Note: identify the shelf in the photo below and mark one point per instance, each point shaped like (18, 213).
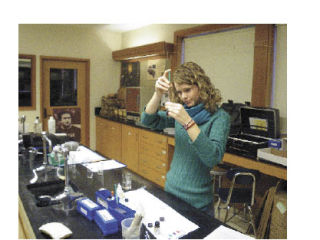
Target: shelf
(149, 50)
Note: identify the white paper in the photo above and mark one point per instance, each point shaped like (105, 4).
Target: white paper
(174, 225)
(103, 165)
(84, 155)
(223, 232)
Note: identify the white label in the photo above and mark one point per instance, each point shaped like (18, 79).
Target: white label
(89, 203)
(258, 124)
(102, 202)
(106, 216)
(84, 211)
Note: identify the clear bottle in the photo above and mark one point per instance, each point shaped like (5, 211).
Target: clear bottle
(52, 125)
(37, 126)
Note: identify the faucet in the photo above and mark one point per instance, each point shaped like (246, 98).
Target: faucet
(44, 140)
(68, 195)
(45, 167)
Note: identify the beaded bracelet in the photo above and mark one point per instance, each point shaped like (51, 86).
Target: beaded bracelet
(189, 124)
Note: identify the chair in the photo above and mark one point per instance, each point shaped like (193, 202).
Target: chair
(218, 171)
(244, 194)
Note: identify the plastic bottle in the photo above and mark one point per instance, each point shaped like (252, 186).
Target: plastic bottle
(52, 125)
(37, 126)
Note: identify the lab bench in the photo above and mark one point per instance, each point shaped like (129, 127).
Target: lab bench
(31, 217)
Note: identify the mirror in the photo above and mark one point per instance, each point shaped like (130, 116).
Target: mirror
(27, 88)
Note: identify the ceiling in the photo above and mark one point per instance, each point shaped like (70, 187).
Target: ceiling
(124, 27)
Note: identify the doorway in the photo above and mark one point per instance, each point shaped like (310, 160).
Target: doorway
(65, 89)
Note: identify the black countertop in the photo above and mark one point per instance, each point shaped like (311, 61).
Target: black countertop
(133, 124)
(80, 226)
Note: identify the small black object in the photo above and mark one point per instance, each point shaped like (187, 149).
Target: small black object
(126, 200)
(161, 219)
(157, 224)
(150, 225)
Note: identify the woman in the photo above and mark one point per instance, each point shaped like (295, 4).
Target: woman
(201, 131)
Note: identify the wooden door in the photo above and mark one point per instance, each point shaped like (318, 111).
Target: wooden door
(130, 147)
(65, 96)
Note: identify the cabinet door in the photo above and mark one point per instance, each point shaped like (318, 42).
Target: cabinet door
(113, 141)
(108, 138)
(101, 136)
(130, 147)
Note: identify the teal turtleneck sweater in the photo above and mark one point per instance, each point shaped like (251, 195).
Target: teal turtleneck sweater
(189, 176)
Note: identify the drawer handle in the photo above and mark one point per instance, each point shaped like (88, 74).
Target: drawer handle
(164, 152)
(129, 133)
(112, 128)
(163, 177)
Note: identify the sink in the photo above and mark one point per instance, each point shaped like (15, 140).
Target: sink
(46, 188)
(43, 191)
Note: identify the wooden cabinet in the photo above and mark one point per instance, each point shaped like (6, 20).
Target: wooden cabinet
(24, 226)
(153, 156)
(141, 52)
(143, 151)
(108, 138)
(100, 135)
(130, 146)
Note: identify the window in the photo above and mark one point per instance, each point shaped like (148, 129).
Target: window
(27, 88)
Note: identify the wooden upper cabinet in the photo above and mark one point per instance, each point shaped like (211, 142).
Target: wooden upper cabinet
(159, 49)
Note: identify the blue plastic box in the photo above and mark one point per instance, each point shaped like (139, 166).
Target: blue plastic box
(119, 211)
(105, 199)
(274, 143)
(87, 208)
(107, 223)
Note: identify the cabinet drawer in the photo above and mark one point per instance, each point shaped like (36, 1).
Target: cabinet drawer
(149, 137)
(113, 126)
(152, 175)
(159, 166)
(153, 156)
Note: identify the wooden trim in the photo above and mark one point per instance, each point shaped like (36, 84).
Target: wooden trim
(265, 168)
(147, 58)
(262, 66)
(263, 56)
(141, 52)
(71, 59)
(87, 105)
(24, 222)
(88, 102)
(33, 82)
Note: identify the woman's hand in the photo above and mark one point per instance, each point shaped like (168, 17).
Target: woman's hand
(162, 84)
(177, 111)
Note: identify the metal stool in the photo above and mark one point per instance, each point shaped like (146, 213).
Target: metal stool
(218, 171)
(218, 174)
(245, 196)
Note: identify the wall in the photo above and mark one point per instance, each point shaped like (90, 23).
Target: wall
(78, 41)
(280, 75)
(151, 34)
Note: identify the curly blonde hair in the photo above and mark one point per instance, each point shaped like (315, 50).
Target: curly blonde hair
(192, 74)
